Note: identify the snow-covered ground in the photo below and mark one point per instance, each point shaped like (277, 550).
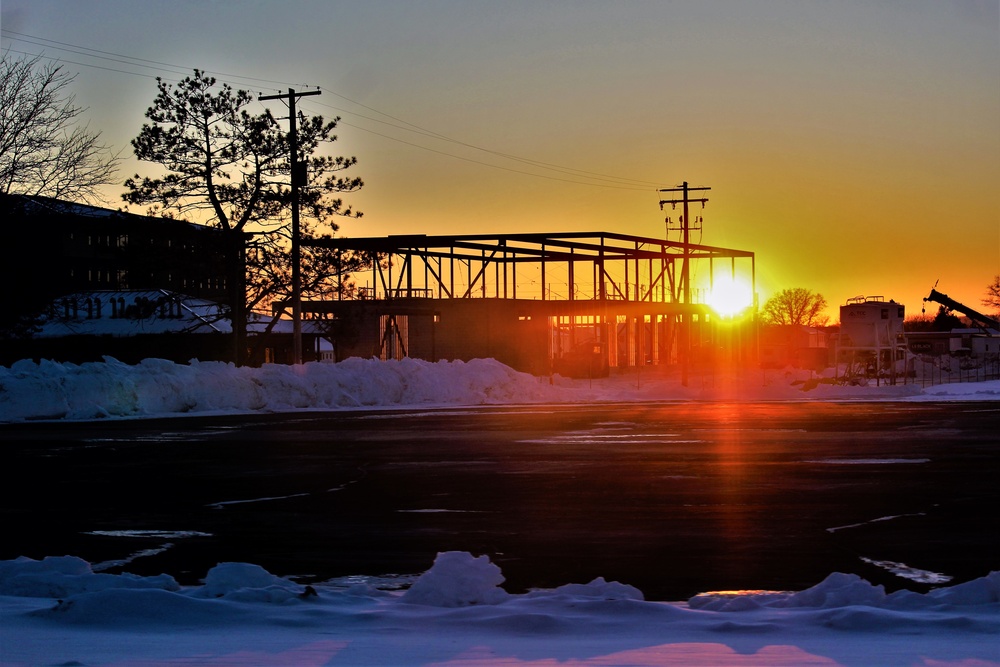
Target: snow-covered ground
(59, 611)
(110, 389)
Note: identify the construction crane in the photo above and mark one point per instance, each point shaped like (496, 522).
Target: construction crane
(983, 321)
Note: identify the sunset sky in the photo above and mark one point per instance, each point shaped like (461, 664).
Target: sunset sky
(854, 146)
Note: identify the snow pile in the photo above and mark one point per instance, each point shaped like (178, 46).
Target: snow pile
(456, 614)
(247, 583)
(64, 576)
(599, 589)
(979, 391)
(458, 580)
(155, 387)
(840, 590)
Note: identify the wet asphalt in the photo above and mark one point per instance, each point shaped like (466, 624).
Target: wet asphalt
(673, 498)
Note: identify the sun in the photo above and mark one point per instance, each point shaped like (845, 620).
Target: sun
(729, 296)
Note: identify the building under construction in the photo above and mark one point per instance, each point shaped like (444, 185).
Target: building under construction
(579, 303)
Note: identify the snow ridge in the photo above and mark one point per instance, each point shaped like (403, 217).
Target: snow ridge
(456, 613)
(155, 387)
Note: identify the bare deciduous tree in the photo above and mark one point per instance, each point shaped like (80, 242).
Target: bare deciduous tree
(992, 299)
(796, 305)
(43, 151)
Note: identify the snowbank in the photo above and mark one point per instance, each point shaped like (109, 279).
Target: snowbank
(155, 387)
(60, 611)
(457, 614)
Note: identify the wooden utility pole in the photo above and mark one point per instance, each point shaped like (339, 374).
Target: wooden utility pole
(685, 342)
(298, 179)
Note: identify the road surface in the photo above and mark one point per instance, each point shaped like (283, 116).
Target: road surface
(673, 498)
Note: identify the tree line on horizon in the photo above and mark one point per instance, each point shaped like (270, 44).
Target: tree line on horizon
(799, 306)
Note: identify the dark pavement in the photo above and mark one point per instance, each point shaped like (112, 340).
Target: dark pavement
(674, 498)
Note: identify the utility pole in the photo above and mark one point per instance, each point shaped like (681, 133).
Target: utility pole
(298, 179)
(685, 351)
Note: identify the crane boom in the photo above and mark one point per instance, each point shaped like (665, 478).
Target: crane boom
(978, 318)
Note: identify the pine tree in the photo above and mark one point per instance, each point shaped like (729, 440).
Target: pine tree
(231, 167)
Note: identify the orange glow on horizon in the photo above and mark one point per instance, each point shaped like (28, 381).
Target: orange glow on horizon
(854, 154)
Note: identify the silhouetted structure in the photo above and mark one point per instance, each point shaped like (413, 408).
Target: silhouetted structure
(582, 302)
(58, 251)
(132, 325)
(982, 343)
(977, 318)
(872, 342)
(54, 247)
(579, 303)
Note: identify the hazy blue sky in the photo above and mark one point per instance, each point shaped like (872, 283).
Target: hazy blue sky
(854, 146)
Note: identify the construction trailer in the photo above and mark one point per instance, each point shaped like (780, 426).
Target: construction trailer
(578, 303)
(872, 342)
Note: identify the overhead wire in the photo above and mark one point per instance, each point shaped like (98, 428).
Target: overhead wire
(612, 181)
(128, 60)
(509, 156)
(91, 65)
(594, 179)
(495, 166)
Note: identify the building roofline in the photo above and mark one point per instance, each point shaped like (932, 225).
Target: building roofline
(580, 245)
(64, 207)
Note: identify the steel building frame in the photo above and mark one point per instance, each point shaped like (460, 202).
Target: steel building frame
(622, 267)
(526, 299)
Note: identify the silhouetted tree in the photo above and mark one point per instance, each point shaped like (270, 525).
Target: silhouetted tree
(796, 305)
(945, 320)
(919, 323)
(42, 149)
(992, 299)
(233, 166)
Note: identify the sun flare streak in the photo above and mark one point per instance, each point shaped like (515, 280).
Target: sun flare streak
(729, 297)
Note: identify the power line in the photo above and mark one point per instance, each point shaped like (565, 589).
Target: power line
(91, 65)
(495, 166)
(614, 180)
(431, 133)
(128, 60)
(610, 181)
(83, 51)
